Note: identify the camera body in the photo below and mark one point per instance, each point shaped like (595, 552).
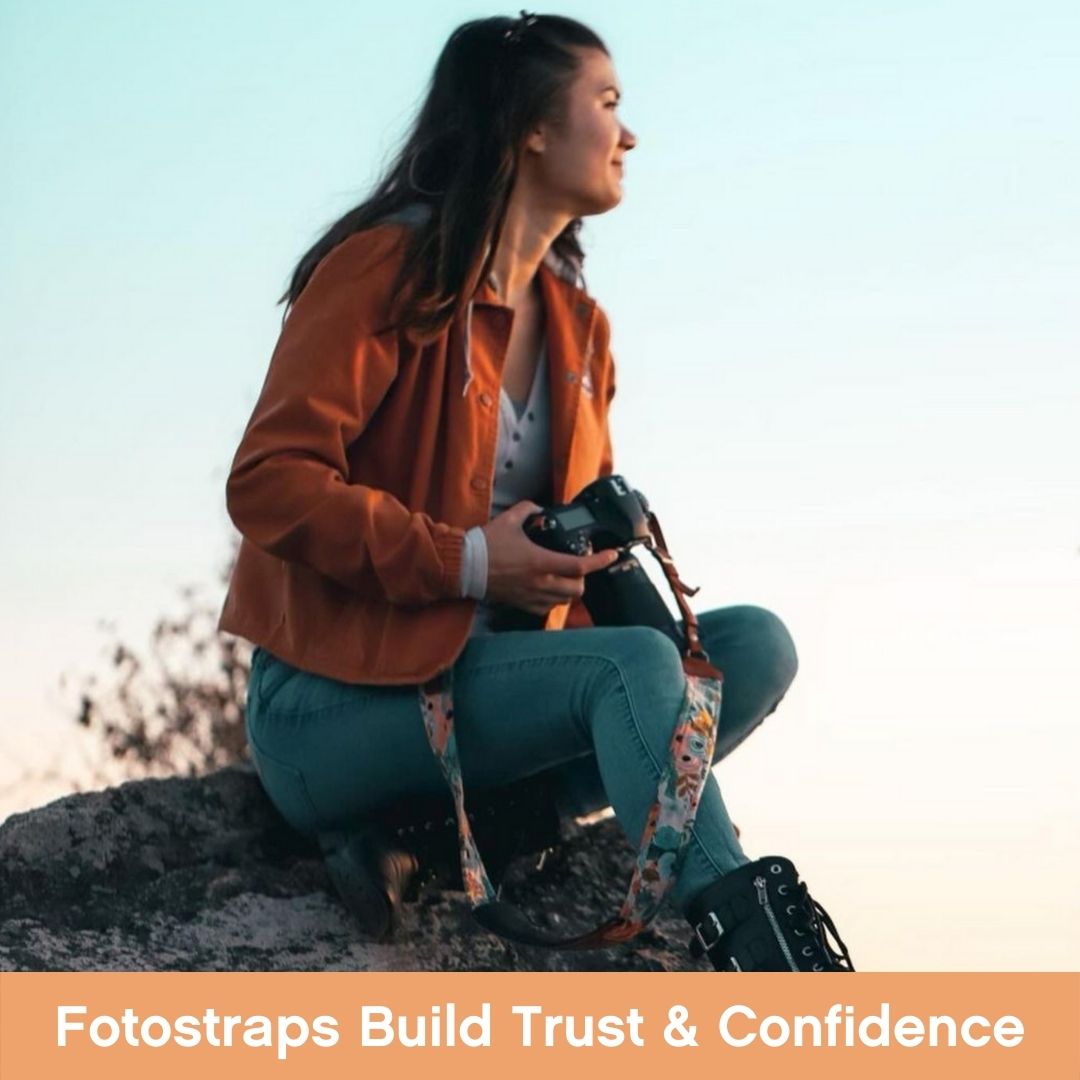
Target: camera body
(608, 513)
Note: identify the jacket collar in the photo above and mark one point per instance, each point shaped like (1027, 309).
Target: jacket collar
(561, 275)
(558, 282)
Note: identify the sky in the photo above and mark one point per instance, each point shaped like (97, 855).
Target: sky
(842, 284)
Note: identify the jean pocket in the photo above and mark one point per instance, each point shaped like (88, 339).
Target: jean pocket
(287, 789)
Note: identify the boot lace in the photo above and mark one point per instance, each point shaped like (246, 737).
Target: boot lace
(809, 918)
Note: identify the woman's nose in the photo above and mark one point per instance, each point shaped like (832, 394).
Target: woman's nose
(628, 140)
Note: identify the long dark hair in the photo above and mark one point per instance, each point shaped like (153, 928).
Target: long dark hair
(495, 79)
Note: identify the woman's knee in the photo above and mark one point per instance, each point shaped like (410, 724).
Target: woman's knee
(645, 653)
(769, 648)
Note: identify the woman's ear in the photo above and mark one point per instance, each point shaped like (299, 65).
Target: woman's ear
(536, 141)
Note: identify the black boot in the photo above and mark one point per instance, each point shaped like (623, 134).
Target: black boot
(508, 822)
(377, 865)
(371, 875)
(760, 917)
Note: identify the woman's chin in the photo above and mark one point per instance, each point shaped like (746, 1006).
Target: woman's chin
(600, 204)
(613, 197)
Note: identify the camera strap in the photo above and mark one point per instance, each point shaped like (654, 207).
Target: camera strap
(667, 826)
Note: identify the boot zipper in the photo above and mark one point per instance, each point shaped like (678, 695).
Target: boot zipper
(763, 900)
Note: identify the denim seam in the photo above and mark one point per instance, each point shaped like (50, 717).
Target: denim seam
(695, 836)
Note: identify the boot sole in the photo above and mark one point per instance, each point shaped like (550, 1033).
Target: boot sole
(355, 876)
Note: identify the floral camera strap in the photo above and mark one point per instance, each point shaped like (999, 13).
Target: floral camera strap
(667, 826)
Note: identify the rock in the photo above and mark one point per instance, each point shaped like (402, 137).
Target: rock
(203, 875)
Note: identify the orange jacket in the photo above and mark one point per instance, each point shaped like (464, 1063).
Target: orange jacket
(368, 456)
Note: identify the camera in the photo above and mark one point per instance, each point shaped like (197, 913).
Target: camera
(608, 513)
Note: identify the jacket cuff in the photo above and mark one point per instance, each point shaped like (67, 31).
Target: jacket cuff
(448, 546)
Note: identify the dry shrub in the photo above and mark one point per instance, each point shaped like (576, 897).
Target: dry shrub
(176, 707)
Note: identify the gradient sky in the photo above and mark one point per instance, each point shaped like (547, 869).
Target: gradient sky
(843, 291)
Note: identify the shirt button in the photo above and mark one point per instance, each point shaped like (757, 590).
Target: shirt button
(509, 465)
(517, 437)
(485, 399)
(477, 483)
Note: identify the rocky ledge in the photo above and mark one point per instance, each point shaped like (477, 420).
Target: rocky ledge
(202, 875)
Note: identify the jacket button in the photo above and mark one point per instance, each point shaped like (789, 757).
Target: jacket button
(571, 376)
(478, 483)
(485, 399)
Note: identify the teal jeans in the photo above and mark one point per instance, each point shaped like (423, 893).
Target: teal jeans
(594, 707)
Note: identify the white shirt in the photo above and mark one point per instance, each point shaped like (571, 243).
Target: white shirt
(522, 471)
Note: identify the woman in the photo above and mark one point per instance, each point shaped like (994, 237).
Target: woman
(442, 373)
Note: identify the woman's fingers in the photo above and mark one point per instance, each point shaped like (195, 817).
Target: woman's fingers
(562, 588)
(527, 575)
(553, 592)
(564, 565)
(542, 596)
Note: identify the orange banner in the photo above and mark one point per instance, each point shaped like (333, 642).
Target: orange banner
(330, 1025)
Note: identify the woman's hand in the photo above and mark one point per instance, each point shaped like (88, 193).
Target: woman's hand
(528, 576)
